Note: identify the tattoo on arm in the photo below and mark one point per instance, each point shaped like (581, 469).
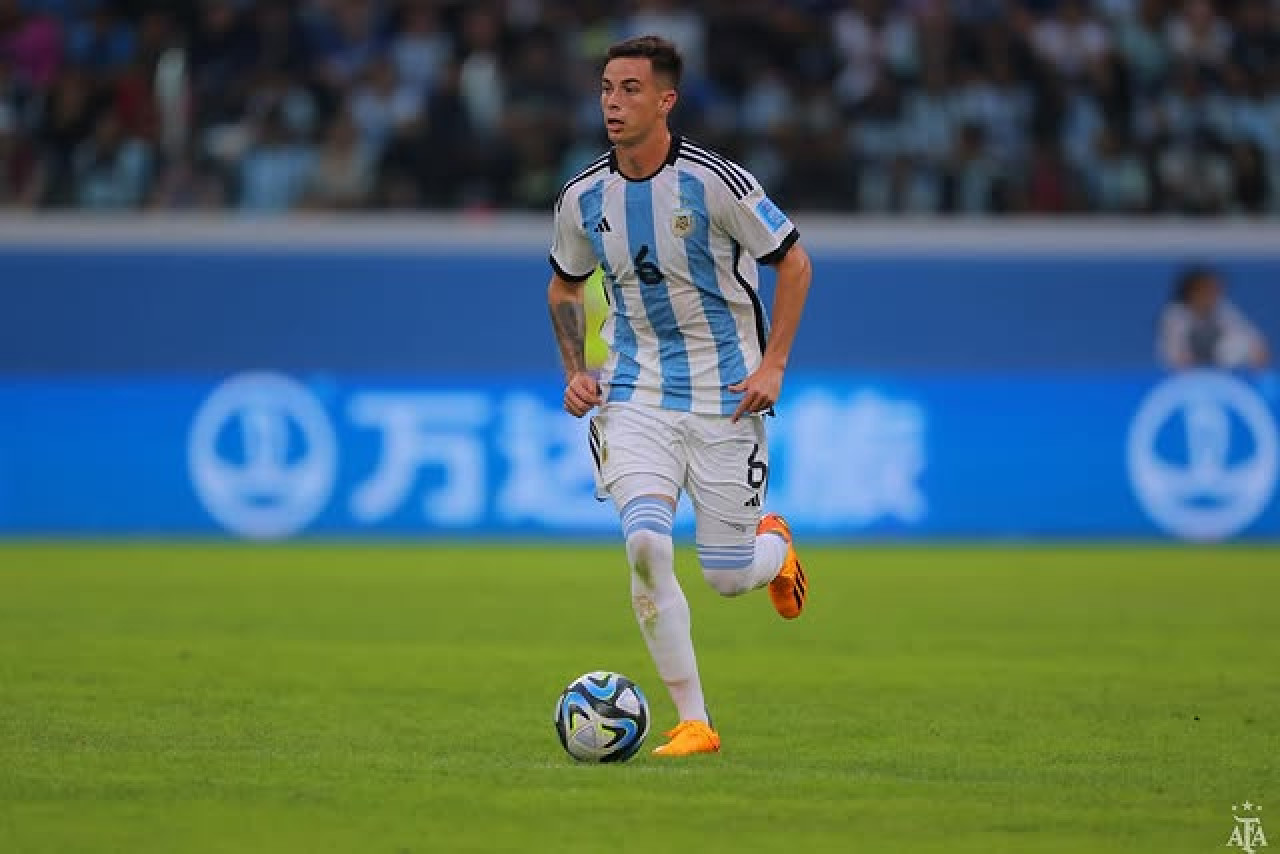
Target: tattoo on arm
(569, 320)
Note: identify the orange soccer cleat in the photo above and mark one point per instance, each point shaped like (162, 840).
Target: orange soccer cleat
(789, 588)
(689, 738)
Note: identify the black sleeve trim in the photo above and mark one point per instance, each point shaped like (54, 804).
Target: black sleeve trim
(568, 277)
(783, 248)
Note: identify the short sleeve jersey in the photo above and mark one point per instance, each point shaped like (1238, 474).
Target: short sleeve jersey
(679, 251)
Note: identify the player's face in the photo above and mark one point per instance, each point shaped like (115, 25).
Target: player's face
(633, 99)
(1205, 296)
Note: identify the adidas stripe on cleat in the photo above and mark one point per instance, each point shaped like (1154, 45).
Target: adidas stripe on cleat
(790, 587)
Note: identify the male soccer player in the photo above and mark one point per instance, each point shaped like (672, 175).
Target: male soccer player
(693, 365)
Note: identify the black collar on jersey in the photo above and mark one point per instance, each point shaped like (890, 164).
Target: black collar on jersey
(672, 153)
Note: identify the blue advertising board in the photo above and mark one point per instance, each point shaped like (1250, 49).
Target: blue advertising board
(267, 455)
(349, 301)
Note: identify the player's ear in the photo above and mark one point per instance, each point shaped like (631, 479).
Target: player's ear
(668, 102)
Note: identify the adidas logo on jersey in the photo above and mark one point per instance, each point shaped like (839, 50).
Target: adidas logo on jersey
(753, 501)
(603, 226)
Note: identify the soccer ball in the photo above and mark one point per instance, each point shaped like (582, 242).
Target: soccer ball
(602, 717)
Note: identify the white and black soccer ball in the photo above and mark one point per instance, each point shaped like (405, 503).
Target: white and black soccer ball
(602, 717)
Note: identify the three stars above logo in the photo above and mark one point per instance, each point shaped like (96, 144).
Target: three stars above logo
(1247, 807)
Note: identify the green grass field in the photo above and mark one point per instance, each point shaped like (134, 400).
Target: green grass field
(161, 698)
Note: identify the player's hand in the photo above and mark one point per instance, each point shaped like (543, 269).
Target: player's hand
(581, 394)
(759, 390)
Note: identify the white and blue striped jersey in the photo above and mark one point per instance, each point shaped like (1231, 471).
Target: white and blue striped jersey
(679, 251)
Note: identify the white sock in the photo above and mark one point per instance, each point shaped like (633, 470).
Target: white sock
(771, 554)
(660, 605)
(734, 570)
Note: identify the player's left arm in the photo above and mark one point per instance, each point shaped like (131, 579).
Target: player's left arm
(761, 388)
(1258, 355)
(752, 219)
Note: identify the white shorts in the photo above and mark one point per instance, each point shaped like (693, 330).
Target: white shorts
(645, 450)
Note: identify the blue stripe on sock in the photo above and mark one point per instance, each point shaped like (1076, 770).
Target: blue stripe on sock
(727, 557)
(647, 514)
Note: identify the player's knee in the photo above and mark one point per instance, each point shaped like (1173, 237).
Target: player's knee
(727, 582)
(726, 568)
(646, 524)
(648, 552)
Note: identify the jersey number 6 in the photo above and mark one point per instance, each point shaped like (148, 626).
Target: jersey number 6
(757, 470)
(647, 271)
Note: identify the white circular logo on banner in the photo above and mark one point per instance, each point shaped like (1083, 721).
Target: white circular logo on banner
(1224, 471)
(262, 455)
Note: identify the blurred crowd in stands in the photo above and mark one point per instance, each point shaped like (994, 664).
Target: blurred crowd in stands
(874, 106)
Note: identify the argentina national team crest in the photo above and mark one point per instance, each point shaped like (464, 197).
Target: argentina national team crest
(682, 222)
(1247, 834)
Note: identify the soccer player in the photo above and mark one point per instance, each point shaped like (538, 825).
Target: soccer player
(693, 364)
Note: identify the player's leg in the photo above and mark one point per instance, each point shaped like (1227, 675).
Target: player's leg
(662, 611)
(738, 548)
(640, 463)
(647, 508)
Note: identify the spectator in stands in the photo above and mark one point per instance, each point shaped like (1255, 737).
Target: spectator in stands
(222, 52)
(346, 36)
(1117, 178)
(67, 113)
(1257, 38)
(1195, 175)
(1253, 183)
(188, 181)
(1199, 37)
(31, 43)
(111, 170)
(1050, 187)
(277, 169)
(1070, 39)
(20, 172)
(344, 170)
(1142, 46)
(973, 183)
(1201, 328)
(420, 48)
(854, 105)
(280, 40)
(381, 103)
(480, 78)
(101, 42)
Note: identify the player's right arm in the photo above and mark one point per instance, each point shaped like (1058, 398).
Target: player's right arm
(573, 261)
(1172, 343)
(569, 322)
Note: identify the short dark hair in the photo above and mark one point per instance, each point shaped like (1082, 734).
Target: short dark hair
(664, 55)
(1190, 279)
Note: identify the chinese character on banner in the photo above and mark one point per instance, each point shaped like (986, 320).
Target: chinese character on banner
(442, 432)
(549, 479)
(850, 461)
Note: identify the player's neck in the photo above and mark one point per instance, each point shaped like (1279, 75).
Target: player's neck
(645, 157)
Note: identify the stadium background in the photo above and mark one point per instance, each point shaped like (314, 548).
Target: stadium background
(432, 126)
(276, 271)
